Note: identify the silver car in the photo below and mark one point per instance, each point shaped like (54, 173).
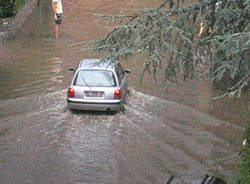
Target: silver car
(99, 86)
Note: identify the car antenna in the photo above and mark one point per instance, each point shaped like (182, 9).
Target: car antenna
(85, 81)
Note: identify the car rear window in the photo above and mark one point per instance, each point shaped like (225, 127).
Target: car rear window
(95, 78)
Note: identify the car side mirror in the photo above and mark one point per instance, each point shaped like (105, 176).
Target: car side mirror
(72, 69)
(127, 71)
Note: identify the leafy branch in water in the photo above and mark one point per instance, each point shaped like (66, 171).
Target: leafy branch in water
(167, 38)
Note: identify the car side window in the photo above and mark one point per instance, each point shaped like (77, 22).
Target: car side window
(120, 72)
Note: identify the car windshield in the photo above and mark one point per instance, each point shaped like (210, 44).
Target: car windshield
(95, 78)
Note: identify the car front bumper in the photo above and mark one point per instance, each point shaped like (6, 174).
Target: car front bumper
(94, 106)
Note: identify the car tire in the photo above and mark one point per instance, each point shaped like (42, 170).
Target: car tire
(122, 110)
(128, 92)
(73, 111)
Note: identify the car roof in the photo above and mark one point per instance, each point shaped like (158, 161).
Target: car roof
(96, 64)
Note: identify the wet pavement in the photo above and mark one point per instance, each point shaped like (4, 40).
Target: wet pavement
(181, 131)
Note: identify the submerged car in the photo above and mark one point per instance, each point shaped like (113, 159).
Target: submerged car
(98, 86)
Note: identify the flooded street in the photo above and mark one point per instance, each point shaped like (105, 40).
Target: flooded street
(180, 131)
(48, 144)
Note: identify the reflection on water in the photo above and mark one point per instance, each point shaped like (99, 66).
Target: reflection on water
(25, 61)
(34, 62)
(161, 137)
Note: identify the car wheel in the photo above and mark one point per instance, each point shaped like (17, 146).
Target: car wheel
(122, 110)
(128, 92)
(111, 113)
(72, 110)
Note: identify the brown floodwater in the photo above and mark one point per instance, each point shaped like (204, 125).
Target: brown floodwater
(34, 63)
(43, 142)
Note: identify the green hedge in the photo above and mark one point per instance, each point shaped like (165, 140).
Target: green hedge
(9, 8)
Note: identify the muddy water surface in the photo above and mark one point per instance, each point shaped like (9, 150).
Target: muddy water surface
(34, 62)
(172, 138)
(46, 143)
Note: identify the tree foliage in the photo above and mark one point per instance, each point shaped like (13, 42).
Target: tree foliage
(9, 8)
(167, 39)
(244, 173)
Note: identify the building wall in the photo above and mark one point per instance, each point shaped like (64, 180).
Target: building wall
(9, 26)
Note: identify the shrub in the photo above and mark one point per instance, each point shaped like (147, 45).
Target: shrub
(9, 8)
(244, 172)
